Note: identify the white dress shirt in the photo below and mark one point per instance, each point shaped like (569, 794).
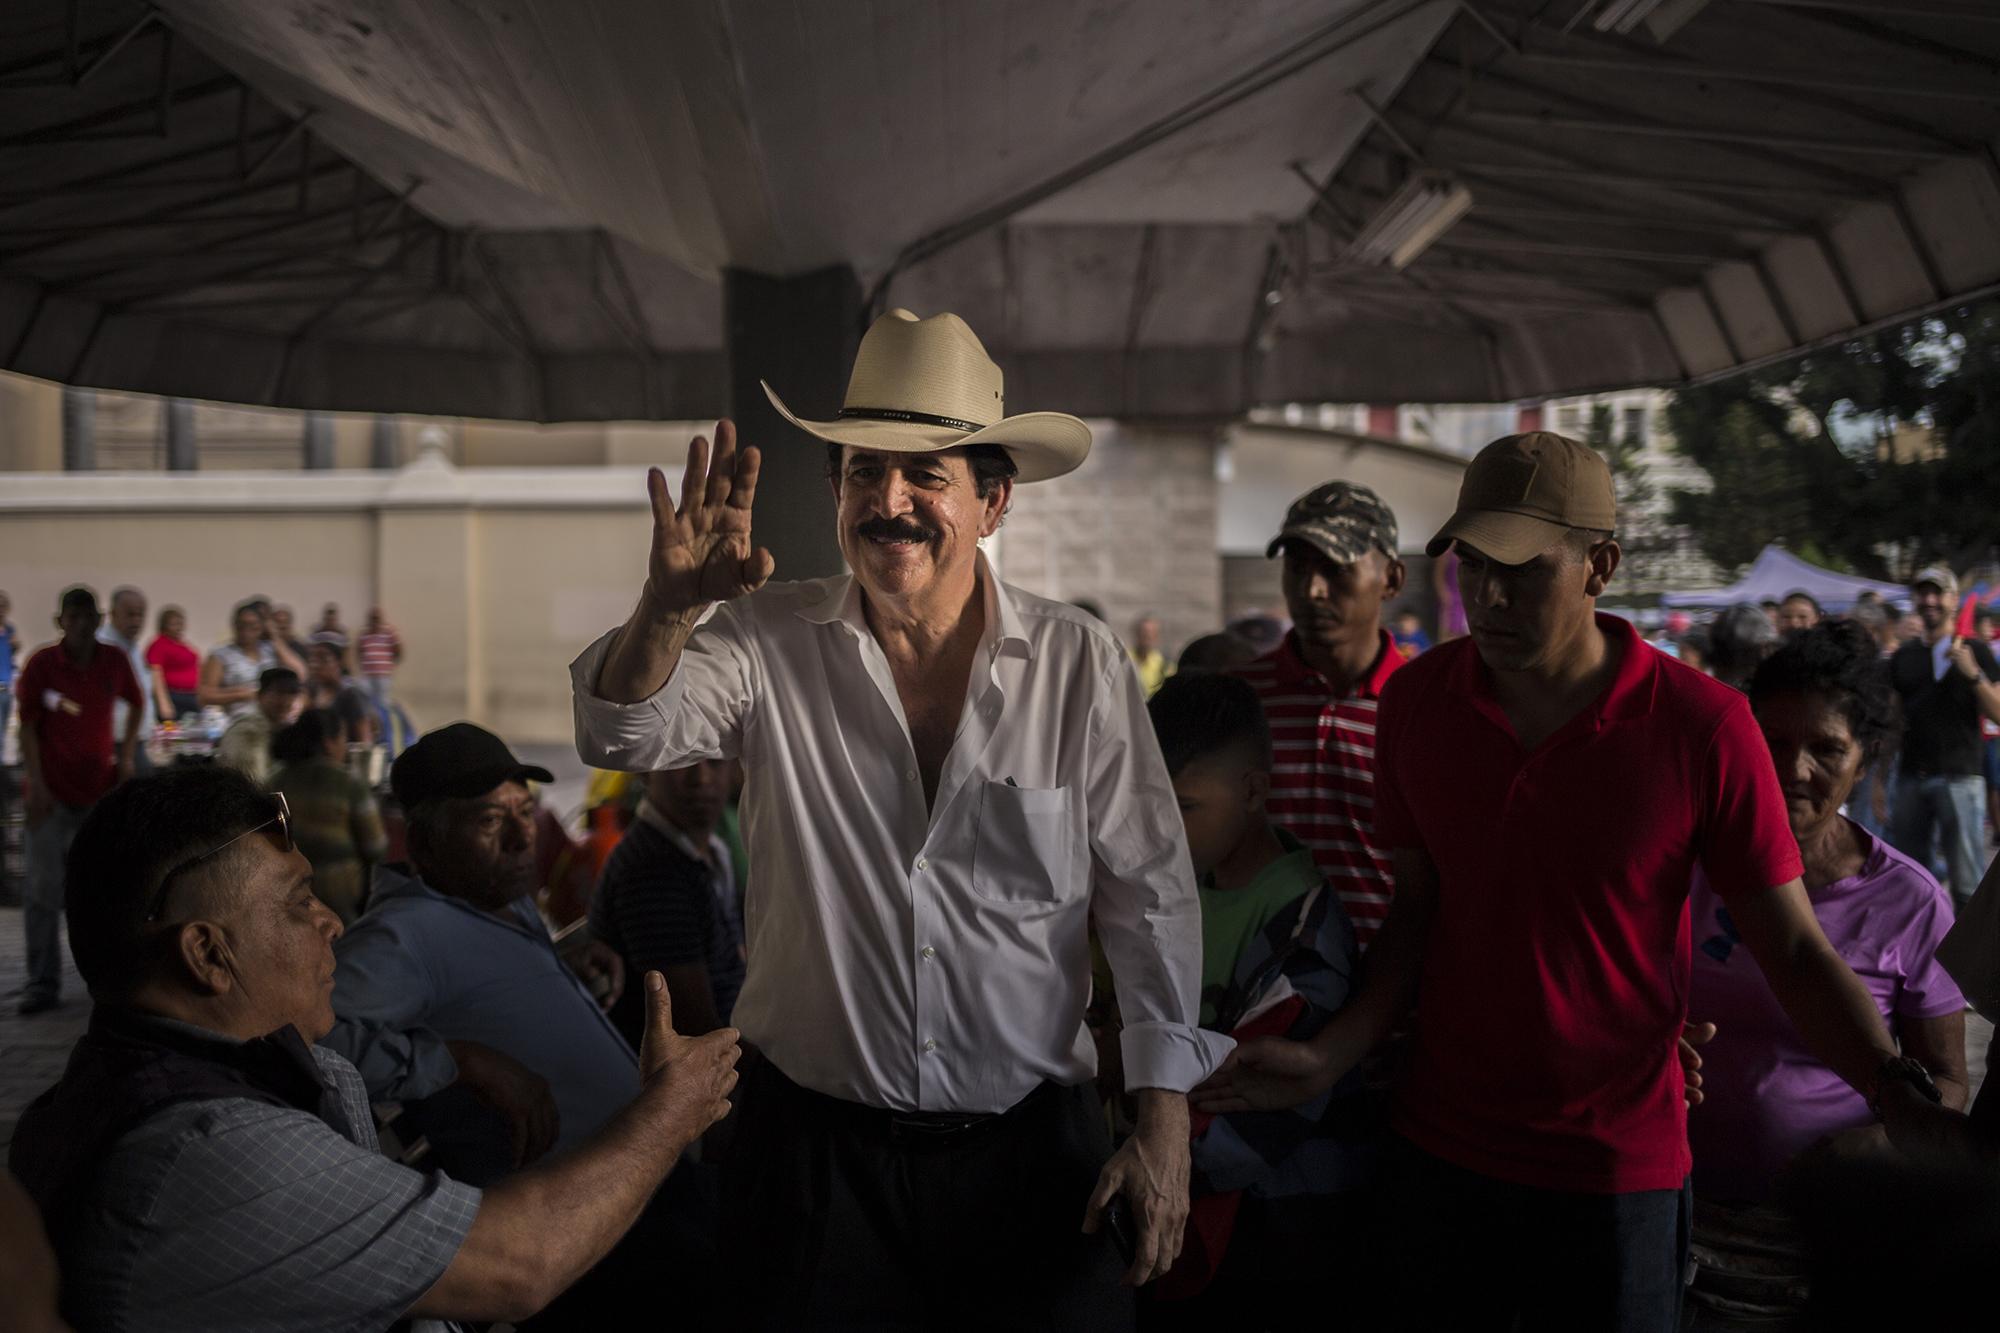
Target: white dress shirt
(934, 959)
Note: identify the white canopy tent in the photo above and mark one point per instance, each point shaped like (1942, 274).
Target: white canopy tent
(1777, 573)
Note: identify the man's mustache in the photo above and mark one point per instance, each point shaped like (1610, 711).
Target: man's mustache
(895, 530)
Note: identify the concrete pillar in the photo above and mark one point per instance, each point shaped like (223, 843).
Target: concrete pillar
(800, 334)
(79, 429)
(382, 441)
(316, 442)
(177, 429)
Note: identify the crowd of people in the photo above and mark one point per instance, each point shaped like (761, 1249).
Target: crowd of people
(1462, 981)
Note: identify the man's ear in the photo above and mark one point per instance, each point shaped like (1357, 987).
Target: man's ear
(1256, 789)
(1394, 575)
(1604, 558)
(997, 502)
(202, 952)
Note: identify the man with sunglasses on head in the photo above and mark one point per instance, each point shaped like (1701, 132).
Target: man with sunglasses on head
(68, 692)
(202, 1164)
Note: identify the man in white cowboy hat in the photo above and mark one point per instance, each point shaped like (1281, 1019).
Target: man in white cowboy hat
(949, 782)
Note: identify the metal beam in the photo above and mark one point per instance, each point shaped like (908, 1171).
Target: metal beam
(601, 257)
(1590, 107)
(1579, 169)
(76, 131)
(163, 213)
(1454, 241)
(1473, 12)
(1655, 180)
(1751, 138)
(354, 289)
(285, 137)
(1854, 23)
(119, 180)
(217, 249)
(117, 44)
(1903, 9)
(1851, 82)
(1776, 296)
(1841, 277)
(1654, 221)
(1721, 323)
(1388, 127)
(533, 354)
(1920, 246)
(275, 302)
(1449, 297)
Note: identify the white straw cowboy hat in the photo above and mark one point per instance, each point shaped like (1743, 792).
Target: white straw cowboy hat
(921, 385)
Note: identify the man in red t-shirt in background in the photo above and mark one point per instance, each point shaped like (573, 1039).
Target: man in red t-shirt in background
(1546, 789)
(66, 694)
(1319, 688)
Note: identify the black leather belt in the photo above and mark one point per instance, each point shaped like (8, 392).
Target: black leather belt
(919, 1126)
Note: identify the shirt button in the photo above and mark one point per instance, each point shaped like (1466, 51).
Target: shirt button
(930, 1044)
(923, 863)
(929, 952)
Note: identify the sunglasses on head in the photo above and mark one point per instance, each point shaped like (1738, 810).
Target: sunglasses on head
(281, 815)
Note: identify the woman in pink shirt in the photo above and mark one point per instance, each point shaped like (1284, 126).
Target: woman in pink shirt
(1824, 703)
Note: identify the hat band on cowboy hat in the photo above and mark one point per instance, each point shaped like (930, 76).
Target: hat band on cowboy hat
(927, 385)
(897, 414)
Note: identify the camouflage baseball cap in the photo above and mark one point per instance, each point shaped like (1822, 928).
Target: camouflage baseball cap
(1341, 521)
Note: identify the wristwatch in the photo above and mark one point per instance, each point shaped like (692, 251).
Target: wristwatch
(1903, 1069)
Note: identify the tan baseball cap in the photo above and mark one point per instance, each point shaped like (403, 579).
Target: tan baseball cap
(1939, 576)
(1523, 492)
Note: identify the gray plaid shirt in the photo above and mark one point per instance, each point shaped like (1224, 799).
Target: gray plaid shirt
(236, 1215)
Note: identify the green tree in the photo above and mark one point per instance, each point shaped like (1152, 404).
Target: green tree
(1640, 534)
(1772, 442)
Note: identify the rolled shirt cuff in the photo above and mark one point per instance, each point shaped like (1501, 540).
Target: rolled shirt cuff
(616, 736)
(1171, 1056)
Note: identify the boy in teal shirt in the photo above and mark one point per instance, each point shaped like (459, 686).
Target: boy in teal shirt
(1278, 955)
(1217, 746)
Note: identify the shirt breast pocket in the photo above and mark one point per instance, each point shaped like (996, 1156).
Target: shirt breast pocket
(1025, 847)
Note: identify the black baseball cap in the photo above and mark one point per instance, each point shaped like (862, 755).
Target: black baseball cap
(278, 678)
(455, 762)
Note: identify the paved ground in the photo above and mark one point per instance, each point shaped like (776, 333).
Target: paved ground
(34, 1050)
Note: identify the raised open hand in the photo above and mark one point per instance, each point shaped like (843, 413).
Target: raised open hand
(701, 550)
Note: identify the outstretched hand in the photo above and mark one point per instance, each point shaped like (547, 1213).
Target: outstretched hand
(1266, 1074)
(694, 1075)
(701, 549)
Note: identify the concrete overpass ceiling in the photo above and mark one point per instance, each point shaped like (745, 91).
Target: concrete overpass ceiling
(521, 207)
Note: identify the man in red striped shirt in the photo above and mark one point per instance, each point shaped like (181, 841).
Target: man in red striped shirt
(1319, 688)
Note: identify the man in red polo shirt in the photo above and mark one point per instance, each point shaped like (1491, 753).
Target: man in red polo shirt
(1546, 788)
(66, 695)
(1320, 685)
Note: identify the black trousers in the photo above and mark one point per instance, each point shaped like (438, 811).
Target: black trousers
(834, 1216)
(1463, 1253)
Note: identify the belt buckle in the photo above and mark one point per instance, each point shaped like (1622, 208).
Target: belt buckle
(931, 1126)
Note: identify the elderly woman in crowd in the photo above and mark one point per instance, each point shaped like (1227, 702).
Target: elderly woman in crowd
(229, 677)
(334, 818)
(1826, 710)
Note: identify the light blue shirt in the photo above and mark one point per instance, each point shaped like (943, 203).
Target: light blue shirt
(420, 969)
(141, 672)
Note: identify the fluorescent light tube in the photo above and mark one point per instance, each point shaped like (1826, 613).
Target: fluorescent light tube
(1414, 217)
